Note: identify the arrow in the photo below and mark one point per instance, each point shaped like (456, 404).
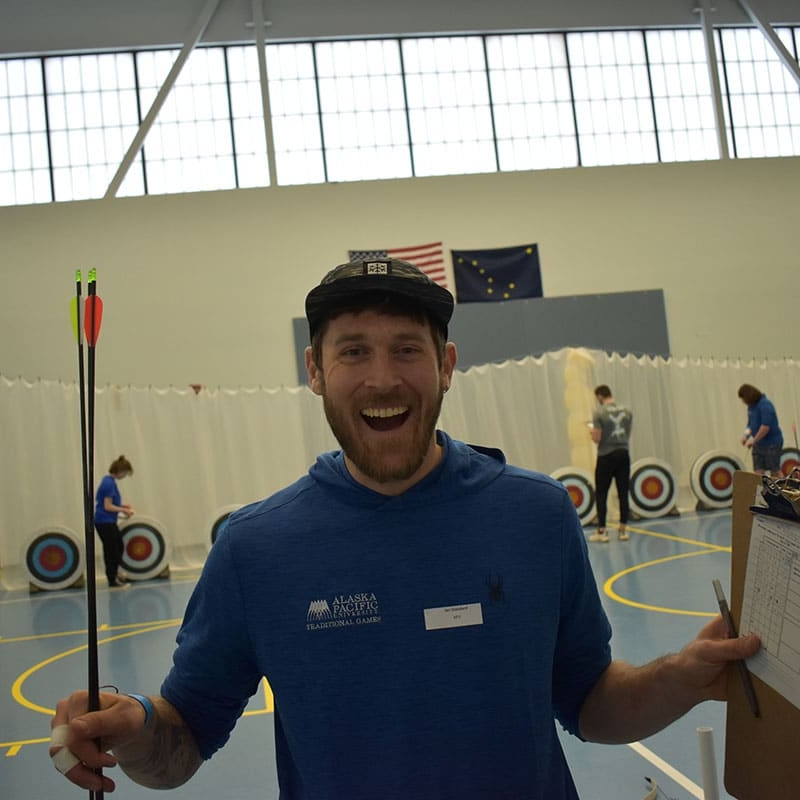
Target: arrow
(91, 326)
(93, 316)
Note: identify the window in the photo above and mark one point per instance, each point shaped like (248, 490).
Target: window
(532, 101)
(389, 108)
(363, 110)
(448, 106)
(93, 116)
(612, 98)
(190, 146)
(684, 107)
(24, 159)
(295, 114)
(247, 116)
(764, 97)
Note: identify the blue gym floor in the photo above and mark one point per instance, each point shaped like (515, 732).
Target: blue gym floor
(656, 589)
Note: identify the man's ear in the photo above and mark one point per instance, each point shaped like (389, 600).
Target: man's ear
(314, 373)
(448, 365)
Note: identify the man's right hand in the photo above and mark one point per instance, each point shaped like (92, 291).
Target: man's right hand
(88, 736)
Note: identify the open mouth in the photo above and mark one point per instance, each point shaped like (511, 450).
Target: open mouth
(385, 419)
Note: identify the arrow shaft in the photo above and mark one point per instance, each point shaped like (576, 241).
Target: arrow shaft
(86, 380)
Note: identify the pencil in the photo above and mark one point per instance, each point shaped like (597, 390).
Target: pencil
(741, 666)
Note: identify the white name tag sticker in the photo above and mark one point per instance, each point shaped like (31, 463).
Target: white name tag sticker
(453, 616)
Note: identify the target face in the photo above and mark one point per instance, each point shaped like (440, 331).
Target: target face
(54, 558)
(652, 488)
(580, 486)
(220, 519)
(790, 459)
(145, 553)
(711, 478)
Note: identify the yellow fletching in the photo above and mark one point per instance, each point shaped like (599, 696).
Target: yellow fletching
(73, 313)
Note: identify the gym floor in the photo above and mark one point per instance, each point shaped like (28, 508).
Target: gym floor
(656, 589)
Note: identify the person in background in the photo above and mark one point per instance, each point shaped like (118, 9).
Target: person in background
(611, 432)
(108, 506)
(763, 435)
(422, 609)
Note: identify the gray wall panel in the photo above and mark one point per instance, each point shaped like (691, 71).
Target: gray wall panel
(618, 322)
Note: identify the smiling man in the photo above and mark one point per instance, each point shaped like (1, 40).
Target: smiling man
(382, 364)
(422, 610)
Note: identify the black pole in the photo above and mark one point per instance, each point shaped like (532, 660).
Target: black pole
(87, 492)
(91, 575)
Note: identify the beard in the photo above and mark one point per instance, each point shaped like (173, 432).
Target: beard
(398, 454)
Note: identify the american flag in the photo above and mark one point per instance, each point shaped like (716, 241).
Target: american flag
(428, 257)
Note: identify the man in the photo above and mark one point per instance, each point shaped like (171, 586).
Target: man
(611, 431)
(427, 611)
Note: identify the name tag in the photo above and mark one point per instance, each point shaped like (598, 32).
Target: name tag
(453, 616)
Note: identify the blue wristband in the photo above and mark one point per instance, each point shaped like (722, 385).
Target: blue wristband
(146, 705)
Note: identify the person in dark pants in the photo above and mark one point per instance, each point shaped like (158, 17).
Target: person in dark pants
(108, 505)
(763, 435)
(611, 431)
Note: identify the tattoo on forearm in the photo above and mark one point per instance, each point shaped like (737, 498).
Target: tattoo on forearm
(168, 759)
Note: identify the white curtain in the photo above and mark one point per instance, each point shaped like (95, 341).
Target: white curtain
(195, 454)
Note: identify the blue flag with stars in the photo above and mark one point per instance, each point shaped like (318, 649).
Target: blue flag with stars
(505, 273)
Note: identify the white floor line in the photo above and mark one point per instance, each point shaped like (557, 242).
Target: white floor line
(668, 770)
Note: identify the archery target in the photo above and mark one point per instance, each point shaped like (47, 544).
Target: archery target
(580, 486)
(711, 478)
(790, 459)
(220, 518)
(54, 558)
(145, 554)
(652, 488)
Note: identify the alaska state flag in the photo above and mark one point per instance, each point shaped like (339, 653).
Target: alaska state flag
(505, 273)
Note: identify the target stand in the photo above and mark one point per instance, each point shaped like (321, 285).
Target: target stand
(579, 483)
(220, 519)
(711, 479)
(653, 489)
(145, 554)
(54, 559)
(790, 459)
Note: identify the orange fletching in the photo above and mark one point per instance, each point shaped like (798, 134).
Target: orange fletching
(92, 319)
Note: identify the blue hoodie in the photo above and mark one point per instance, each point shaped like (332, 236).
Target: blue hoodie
(417, 646)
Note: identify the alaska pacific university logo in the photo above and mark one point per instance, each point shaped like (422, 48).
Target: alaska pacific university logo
(342, 611)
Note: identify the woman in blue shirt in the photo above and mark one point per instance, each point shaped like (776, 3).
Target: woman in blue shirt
(763, 434)
(108, 505)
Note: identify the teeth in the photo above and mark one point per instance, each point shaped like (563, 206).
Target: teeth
(384, 412)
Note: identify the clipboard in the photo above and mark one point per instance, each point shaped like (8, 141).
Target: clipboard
(761, 753)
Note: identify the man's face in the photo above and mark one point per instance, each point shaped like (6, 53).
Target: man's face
(382, 388)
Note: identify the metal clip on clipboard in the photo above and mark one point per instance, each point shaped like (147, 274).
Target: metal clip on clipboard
(782, 497)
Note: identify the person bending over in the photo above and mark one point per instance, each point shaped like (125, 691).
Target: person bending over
(763, 435)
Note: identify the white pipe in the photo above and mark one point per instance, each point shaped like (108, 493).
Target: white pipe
(708, 763)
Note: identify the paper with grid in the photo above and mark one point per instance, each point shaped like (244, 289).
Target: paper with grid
(771, 604)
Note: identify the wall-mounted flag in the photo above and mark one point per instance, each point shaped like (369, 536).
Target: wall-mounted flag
(505, 273)
(428, 257)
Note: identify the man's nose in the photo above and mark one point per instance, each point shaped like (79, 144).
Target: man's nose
(382, 372)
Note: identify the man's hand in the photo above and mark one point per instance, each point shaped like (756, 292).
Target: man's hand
(81, 739)
(629, 703)
(703, 662)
